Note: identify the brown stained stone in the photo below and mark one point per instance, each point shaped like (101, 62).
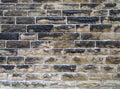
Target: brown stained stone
(50, 20)
(64, 44)
(24, 68)
(96, 59)
(72, 77)
(108, 68)
(83, 28)
(16, 76)
(15, 60)
(36, 13)
(60, 59)
(116, 76)
(33, 76)
(79, 60)
(76, 0)
(34, 52)
(64, 28)
(42, 68)
(113, 60)
(88, 68)
(88, 83)
(2, 44)
(115, 51)
(91, 36)
(51, 77)
(3, 76)
(101, 76)
(28, 36)
(15, 13)
(3, 60)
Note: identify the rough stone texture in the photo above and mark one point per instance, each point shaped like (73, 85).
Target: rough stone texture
(59, 44)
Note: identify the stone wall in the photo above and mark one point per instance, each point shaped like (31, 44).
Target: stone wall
(59, 44)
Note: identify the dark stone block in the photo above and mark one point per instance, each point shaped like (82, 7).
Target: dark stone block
(22, 66)
(9, 1)
(114, 12)
(9, 36)
(101, 28)
(15, 60)
(108, 44)
(86, 44)
(13, 28)
(74, 50)
(18, 44)
(40, 28)
(7, 20)
(64, 68)
(1, 13)
(3, 60)
(7, 67)
(76, 20)
(25, 20)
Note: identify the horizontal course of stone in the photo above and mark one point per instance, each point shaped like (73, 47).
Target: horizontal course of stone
(59, 44)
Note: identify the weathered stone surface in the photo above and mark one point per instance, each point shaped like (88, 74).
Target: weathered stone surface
(116, 76)
(91, 36)
(114, 12)
(8, 52)
(114, 20)
(88, 68)
(79, 60)
(8, 7)
(64, 68)
(40, 44)
(28, 36)
(63, 6)
(101, 28)
(42, 68)
(29, 6)
(36, 13)
(97, 59)
(3, 60)
(83, 28)
(7, 68)
(88, 83)
(50, 36)
(98, 51)
(24, 68)
(4, 84)
(76, 0)
(18, 44)
(1, 12)
(113, 59)
(93, 6)
(101, 76)
(34, 52)
(24, 1)
(15, 13)
(33, 76)
(64, 28)
(100, 13)
(75, 51)
(47, 1)
(9, 1)
(85, 44)
(82, 20)
(2, 44)
(9, 36)
(51, 20)
(51, 77)
(13, 28)
(39, 28)
(15, 60)
(34, 60)
(108, 68)
(25, 20)
(3, 76)
(76, 12)
(108, 44)
(16, 76)
(110, 6)
(98, 1)
(7, 20)
(72, 77)
(115, 51)
(53, 12)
